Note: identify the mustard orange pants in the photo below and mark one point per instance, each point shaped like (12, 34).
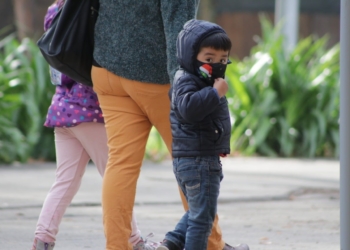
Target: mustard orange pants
(130, 109)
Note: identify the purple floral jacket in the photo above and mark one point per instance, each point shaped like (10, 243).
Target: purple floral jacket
(73, 102)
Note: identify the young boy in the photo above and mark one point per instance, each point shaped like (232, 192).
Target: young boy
(201, 130)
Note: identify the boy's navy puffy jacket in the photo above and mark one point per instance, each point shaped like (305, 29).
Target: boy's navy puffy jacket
(200, 121)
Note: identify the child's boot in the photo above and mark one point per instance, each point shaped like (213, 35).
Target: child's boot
(40, 245)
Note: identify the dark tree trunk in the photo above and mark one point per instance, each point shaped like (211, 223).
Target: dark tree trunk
(24, 17)
(29, 17)
(206, 10)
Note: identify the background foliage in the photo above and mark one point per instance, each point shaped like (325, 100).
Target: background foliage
(282, 104)
(286, 104)
(25, 94)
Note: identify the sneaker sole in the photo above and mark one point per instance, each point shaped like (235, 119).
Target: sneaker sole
(162, 248)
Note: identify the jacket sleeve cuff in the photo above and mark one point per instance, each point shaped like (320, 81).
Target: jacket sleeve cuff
(217, 94)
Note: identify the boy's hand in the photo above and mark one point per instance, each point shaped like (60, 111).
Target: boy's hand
(221, 86)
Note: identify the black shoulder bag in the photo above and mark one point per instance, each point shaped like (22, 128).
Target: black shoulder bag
(68, 44)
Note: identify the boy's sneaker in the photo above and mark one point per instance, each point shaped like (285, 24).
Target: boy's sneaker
(167, 245)
(145, 244)
(40, 245)
(239, 247)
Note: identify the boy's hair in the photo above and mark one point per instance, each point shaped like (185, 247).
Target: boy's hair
(218, 41)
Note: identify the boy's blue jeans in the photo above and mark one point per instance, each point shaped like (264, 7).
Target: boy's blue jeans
(199, 178)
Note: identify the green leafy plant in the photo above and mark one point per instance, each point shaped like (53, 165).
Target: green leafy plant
(281, 104)
(25, 94)
(156, 149)
(285, 104)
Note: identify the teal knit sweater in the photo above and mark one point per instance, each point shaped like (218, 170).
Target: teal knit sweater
(136, 39)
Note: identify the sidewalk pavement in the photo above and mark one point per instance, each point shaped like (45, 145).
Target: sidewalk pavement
(270, 204)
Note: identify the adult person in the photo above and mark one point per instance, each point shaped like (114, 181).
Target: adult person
(135, 62)
(80, 135)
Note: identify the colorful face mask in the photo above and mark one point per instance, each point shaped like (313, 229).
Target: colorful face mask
(211, 71)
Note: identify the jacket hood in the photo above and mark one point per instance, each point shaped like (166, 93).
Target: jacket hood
(188, 41)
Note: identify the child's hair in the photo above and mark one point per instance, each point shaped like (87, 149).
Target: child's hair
(218, 41)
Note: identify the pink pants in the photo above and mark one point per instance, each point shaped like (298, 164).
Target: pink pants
(75, 146)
